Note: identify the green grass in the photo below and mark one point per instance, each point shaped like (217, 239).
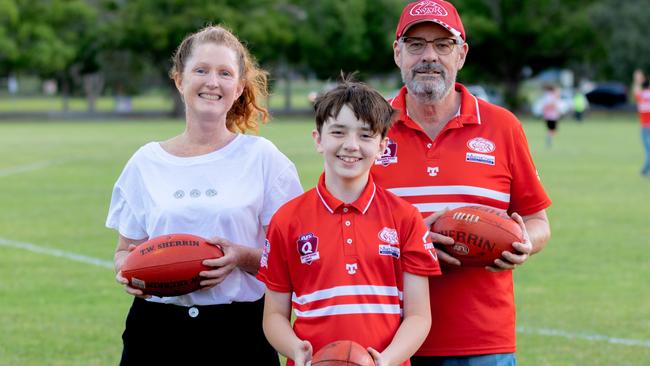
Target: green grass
(591, 279)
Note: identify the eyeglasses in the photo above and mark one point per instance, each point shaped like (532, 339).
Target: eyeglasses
(442, 46)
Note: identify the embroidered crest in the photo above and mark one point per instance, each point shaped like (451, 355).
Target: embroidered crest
(389, 236)
(481, 145)
(389, 156)
(308, 248)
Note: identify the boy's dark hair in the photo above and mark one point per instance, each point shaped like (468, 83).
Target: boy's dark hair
(366, 103)
(645, 84)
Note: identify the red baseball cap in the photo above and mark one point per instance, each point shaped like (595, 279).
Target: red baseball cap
(438, 11)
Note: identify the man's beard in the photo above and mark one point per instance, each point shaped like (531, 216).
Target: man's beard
(428, 88)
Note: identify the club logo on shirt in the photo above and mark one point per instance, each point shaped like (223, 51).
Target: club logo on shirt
(264, 261)
(481, 145)
(389, 156)
(480, 158)
(351, 268)
(389, 236)
(433, 171)
(390, 242)
(308, 248)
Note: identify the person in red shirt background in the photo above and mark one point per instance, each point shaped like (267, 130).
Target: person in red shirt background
(449, 149)
(349, 257)
(641, 90)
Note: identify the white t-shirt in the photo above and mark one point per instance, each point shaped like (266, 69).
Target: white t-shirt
(551, 106)
(231, 193)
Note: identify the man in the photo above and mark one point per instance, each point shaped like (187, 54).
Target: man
(449, 149)
(641, 90)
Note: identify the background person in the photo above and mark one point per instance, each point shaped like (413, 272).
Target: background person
(580, 104)
(212, 181)
(449, 149)
(551, 111)
(351, 258)
(641, 90)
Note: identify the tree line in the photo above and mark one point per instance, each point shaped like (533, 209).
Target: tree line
(91, 45)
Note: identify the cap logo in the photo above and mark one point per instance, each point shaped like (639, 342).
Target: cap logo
(428, 8)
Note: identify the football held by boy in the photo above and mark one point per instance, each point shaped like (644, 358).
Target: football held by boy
(349, 257)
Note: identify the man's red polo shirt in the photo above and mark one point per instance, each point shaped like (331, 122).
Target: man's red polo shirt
(344, 263)
(480, 157)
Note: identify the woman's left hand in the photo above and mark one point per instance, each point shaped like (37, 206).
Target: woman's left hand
(232, 254)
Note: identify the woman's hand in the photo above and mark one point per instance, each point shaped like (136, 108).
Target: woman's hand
(232, 256)
(119, 262)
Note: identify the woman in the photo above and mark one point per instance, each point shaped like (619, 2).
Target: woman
(215, 182)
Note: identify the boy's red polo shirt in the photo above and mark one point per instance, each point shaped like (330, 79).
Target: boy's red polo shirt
(480, 157)
(344, 263)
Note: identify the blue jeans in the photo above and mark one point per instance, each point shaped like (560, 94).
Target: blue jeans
(502, 359)
(645, 137)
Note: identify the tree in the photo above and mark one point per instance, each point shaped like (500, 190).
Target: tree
(8, 46)
(347, 35)
(622, 28)
(152, 30)
(507, 35)
(38, 37)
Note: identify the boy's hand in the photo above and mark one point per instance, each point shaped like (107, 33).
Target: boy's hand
(379, 359)
(302, 354)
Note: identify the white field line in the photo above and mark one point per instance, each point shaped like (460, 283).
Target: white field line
(27, 167)
(56, 253)
(591, 337)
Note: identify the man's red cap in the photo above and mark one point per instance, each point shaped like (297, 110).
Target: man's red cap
(437, 11)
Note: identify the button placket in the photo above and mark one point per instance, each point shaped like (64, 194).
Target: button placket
(347, 228)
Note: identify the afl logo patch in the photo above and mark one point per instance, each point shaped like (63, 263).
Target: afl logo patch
(481, 145)
(389, 156)
(308, 248)
(428, 8)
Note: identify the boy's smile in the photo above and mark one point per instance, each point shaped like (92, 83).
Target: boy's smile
(349, 148)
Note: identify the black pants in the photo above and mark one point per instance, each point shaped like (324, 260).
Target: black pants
(229, 334)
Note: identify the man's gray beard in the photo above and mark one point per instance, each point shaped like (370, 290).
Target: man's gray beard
(427, 91)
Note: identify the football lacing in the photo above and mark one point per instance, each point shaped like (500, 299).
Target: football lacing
(463, 216)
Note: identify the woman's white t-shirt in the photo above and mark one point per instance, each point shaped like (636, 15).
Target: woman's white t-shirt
(230, 193)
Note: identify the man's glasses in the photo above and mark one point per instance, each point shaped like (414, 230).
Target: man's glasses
(442, 46)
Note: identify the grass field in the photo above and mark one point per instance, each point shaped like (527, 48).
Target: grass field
(583, 301)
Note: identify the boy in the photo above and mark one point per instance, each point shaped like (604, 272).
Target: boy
(351, 258)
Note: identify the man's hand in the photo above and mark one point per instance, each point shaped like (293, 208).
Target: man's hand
(509, 259)
(440, 239)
